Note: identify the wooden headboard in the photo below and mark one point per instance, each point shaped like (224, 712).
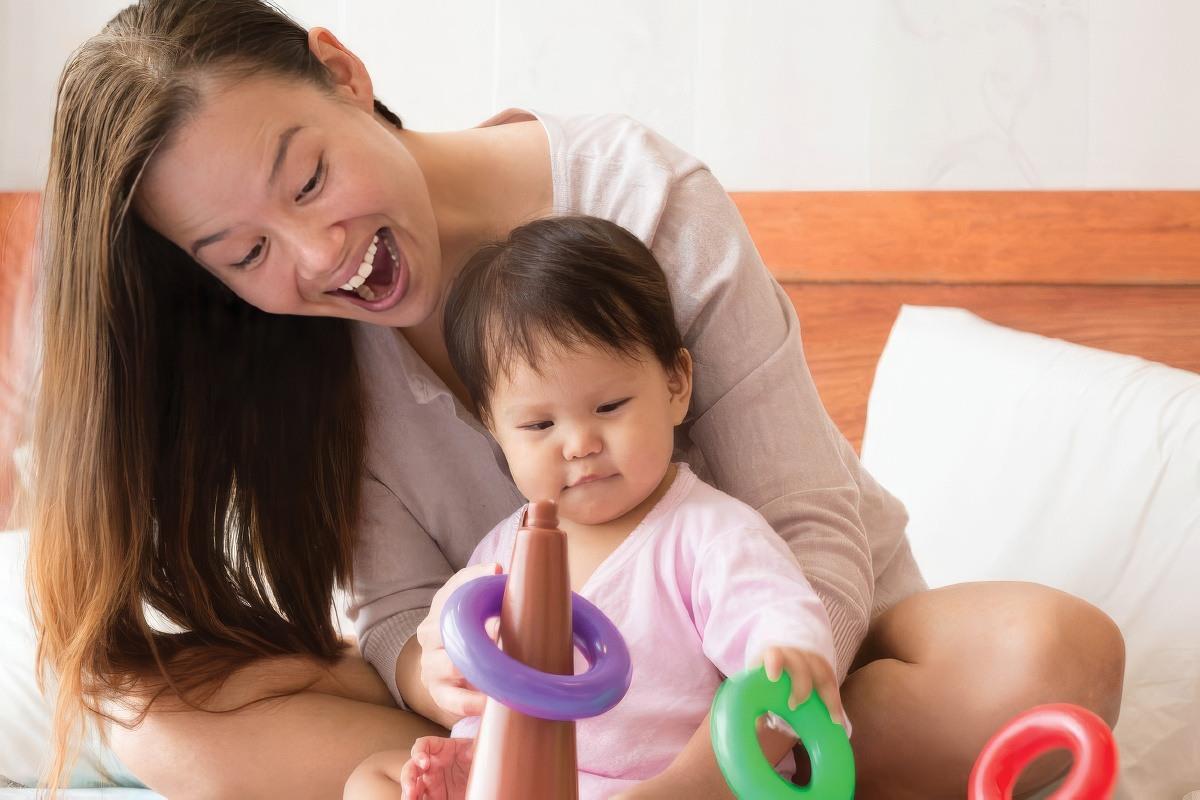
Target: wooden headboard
(1109, 269)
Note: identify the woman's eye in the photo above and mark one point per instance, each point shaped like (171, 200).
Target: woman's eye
(252, 255)
(536, 426)
(313, 181)
(607, 407)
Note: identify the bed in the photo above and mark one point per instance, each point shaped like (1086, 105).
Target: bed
(1035, 337)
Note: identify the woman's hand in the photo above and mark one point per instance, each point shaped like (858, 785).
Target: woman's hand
(445, 684)
(808, 671)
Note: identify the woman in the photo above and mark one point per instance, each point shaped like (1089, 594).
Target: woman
(245, 397)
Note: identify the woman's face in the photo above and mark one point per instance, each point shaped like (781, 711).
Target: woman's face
(301, 202)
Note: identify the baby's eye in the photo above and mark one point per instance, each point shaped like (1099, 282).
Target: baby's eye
(536, 426)
(613, 406)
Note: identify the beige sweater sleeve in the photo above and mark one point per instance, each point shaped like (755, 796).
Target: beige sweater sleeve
(397, 570)
(756, 417)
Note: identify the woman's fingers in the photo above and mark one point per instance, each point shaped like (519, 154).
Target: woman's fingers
(429, 632)
(437, 666)
(445, 683)
(458, 579)
(458, 700)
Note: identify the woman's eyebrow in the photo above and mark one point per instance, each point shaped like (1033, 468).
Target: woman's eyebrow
(285, 140)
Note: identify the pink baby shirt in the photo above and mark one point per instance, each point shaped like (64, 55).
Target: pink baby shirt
(698, 590)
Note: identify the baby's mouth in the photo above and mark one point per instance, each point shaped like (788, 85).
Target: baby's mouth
(376, 275)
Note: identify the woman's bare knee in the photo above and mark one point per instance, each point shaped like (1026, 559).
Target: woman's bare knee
(304, 744)
(1067, 651)
(969, 657)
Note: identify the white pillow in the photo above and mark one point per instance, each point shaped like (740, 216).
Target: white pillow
(1027, 458)
(24, 712)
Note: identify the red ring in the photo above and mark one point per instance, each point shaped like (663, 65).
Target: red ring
(1058, 725)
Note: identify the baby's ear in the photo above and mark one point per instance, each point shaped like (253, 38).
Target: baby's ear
(679, 383)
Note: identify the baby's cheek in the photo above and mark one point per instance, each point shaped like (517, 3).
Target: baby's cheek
(536, 482)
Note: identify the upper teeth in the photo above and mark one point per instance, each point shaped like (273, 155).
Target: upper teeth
(365, 268)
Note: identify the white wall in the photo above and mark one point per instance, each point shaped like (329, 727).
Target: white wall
(773, 94)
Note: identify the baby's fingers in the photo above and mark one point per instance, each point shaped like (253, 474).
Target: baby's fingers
(410, 780)
(801, 685)
(827, 689)
(459, 700)
(773, 662)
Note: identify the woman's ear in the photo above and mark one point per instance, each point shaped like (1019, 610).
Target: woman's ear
(349, 74)
(679, 384)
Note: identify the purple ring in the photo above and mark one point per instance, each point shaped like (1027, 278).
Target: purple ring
(520, 687)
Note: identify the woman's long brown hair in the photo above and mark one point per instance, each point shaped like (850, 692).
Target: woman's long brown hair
(195, 461)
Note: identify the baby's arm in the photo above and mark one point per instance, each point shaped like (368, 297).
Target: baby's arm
(752, 605)
(694, 772)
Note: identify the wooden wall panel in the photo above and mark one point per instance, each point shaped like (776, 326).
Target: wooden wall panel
(18, 223)
(1109, 237)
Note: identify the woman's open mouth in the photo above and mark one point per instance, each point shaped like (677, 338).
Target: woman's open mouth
(382, 276)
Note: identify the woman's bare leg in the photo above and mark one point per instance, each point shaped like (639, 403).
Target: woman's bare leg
(301, 746)
(941, 671)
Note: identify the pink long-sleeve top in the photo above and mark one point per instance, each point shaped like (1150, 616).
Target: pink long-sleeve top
(698, 590)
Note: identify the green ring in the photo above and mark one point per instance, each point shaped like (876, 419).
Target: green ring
(740, 701)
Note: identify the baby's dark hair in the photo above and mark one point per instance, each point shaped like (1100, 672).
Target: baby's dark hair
(572, 280)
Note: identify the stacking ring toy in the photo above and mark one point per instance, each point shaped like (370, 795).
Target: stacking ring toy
(737, 707)
(520, 687)
(740, 701)
(1042, 728)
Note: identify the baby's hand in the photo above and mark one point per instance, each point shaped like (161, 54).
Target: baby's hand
(437, 769)
(807, 671)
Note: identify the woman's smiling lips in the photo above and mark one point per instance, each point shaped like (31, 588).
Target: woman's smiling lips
(389, 257)
(351, 268)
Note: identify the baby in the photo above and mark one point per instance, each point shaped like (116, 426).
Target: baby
(565, 339)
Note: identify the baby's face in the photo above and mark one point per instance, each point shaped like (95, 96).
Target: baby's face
(592, 430)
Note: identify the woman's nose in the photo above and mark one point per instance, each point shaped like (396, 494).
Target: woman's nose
(581, 441)
(320, 251)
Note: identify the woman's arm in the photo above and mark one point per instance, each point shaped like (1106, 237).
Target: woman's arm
(756, 419)
(408, 681)
(427, 679)
(398, 569)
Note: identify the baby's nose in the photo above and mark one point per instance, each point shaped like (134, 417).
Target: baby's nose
(582, 442)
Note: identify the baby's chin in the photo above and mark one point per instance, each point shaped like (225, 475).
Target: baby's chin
(592, 513)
